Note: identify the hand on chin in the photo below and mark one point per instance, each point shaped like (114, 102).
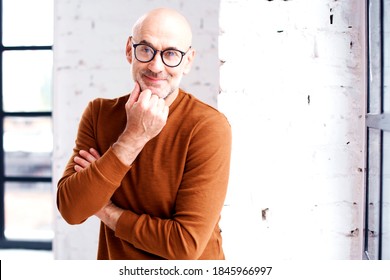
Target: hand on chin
(155, 90)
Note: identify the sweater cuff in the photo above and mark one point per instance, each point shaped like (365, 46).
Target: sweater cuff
(112, 168)
(125, 225)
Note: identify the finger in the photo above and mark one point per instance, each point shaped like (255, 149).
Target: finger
(154, 102)
(87, 156)
(145, 97)
(78, 168)
(166, 112)
(94, 153)
(160, 105)
(134, 95)
(81, 162)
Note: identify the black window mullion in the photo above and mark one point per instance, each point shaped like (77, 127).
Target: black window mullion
(382, 94)
(27, 114)
(381, 172)
(26, 48)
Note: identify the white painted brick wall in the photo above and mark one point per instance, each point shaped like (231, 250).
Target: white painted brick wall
(292, 84)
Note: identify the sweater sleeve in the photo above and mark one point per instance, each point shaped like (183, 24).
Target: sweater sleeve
(81, 194)
(199, 200)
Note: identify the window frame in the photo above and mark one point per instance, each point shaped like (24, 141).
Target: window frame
(380, 122)
(4, 242)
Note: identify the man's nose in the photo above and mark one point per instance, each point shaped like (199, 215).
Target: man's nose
(156, 65)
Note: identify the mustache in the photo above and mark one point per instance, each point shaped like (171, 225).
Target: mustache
(154, 75)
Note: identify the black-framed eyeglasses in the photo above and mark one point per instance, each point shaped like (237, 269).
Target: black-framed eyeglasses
(170, 57)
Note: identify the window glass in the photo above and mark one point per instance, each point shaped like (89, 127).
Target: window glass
(28, 144)
(386, 197)
(28, 211)
(27, 23)
(374, 101)
(373, 193)
(27, 79)
(386, 48)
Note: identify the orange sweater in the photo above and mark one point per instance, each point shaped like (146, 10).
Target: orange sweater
(173, 193)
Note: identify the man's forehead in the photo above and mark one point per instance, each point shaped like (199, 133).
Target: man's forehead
(163, 25)
(159, 45)
(161, 39)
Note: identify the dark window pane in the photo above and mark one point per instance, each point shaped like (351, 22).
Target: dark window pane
(29, 211)
(27, 23)
(28, 145)
(27, 81)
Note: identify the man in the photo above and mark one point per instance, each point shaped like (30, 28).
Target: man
(153, 166)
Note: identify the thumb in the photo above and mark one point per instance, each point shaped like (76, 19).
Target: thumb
(134, 95)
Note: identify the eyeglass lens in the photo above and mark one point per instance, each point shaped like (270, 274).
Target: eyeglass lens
(145, 53)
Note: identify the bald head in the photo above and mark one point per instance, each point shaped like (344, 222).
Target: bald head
(167, 23)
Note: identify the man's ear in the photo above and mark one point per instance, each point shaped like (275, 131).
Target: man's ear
(189, 59)
(129, 50)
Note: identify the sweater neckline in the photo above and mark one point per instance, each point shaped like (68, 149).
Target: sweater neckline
(177, 101)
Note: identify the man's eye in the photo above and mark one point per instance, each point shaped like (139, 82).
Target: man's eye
(146, 49)
(171, 53)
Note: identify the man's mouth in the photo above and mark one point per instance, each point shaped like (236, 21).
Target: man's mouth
(153, 78)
